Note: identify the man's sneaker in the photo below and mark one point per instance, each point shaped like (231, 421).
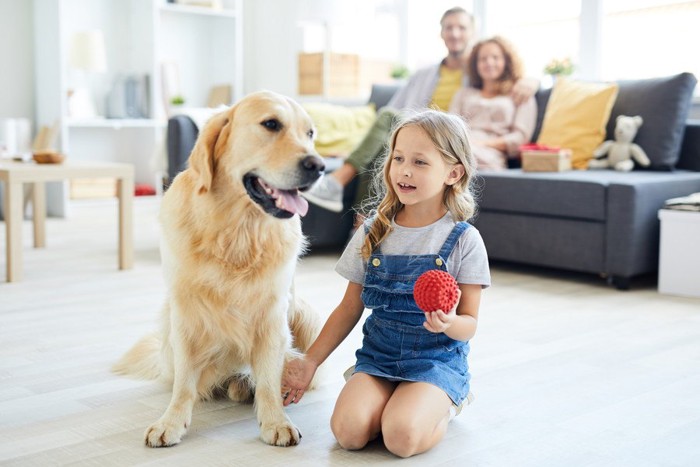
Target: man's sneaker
(327, 193)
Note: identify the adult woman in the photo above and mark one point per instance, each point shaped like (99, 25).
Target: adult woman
(498, 126)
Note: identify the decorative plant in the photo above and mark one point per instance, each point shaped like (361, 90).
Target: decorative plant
(399, 72)
(177, 100)
(559, 67)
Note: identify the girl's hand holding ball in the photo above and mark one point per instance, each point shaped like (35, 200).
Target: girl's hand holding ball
(437, 294)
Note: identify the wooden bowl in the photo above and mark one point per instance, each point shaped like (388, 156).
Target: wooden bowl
(48, 157)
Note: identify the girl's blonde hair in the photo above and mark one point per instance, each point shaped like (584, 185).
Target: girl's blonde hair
(512, 72)
(448, 133)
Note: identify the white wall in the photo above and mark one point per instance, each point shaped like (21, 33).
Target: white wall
(271, 64)
(272, 41)
(16, 59)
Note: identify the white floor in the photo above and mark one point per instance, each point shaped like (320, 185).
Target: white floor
(566, 370)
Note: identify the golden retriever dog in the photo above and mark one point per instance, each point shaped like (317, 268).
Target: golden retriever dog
(231, 238)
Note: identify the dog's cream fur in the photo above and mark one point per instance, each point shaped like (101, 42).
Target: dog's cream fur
(230, 316)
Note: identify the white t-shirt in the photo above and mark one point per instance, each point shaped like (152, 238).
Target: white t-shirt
(468, 262)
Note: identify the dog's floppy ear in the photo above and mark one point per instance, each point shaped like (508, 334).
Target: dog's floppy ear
(202, 158)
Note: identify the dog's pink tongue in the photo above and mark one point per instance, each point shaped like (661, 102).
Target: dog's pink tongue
(292, 202)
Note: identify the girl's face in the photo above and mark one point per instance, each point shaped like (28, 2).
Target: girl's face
(490, 63)
(418, 172)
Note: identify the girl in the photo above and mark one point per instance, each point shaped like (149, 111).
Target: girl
(411, 373)
(497, 125)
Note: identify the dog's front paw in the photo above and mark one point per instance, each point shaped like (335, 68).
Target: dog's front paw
(163, 434)
(285, 434)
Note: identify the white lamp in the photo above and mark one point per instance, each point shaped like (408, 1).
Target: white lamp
(87, 55)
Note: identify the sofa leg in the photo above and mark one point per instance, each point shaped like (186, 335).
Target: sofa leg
(620, 283)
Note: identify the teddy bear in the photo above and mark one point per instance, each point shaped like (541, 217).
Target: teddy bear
(621, 152)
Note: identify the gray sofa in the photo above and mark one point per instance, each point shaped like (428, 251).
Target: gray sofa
(595, 221)
(600, 222)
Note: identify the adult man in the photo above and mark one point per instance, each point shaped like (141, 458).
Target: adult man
(433, 87)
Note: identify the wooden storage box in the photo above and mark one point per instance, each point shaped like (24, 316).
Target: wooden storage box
(546, 161)
(344, 74)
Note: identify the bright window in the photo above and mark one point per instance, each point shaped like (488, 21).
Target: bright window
(606, 39)
(384, 33)
(649, 38)
(424, 46)
(540, 30)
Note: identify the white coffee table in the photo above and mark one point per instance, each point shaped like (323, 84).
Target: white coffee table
(16, 174)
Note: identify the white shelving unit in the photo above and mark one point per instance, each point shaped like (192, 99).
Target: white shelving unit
(206, 45)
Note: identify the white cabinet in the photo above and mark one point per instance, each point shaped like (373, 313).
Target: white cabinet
(204, 44)
(679, 253)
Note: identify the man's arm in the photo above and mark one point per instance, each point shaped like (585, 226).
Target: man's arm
(524, 89)
(418, 91)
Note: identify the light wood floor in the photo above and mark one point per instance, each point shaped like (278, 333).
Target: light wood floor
(566, 370)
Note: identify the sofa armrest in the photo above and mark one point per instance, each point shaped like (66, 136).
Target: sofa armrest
(690, 149)
(633, 224)
(182, 134)
(382, 93)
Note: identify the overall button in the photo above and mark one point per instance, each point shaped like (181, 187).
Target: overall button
(438, 261)
(376, 262)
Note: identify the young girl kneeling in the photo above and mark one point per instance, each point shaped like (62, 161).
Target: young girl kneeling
(411, 376)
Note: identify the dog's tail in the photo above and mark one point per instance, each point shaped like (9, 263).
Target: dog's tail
(143, 360)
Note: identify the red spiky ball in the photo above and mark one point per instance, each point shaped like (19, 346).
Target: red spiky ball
(435, 290)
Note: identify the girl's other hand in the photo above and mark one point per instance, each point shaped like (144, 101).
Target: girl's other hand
(296, 377)
(440, 321)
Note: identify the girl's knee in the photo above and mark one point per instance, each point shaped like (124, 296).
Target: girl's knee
(402, 439)
(351, 433)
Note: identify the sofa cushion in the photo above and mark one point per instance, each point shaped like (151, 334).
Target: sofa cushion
(339, 128)
(567, 194)
(576, 194)
(575, 118)
(544, 241)
(663, 103)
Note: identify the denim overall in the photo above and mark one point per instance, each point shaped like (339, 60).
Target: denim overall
(396, 346)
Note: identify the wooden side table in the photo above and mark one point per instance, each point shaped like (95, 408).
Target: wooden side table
(15, 174)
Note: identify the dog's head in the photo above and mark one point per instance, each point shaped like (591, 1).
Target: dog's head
(261, 148)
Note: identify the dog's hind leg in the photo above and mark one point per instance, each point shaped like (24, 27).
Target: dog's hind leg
(305, 324)
(240, 389)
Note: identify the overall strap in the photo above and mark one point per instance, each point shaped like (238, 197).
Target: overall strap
(452, 239)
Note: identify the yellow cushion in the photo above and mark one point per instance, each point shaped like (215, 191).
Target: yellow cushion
(339, 128)
(576, 116)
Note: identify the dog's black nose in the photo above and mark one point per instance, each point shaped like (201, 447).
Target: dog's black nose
(313, 164)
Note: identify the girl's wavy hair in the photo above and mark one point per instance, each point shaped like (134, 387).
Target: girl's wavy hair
(512, 72)
(448, 133)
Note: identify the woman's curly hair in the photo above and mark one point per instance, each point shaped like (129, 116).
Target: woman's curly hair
(512, 72)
